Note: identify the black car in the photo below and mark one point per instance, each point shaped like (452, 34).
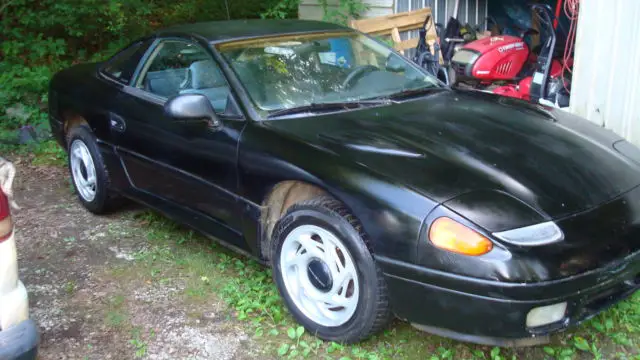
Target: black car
(371, 188)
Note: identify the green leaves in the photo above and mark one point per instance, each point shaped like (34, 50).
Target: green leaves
(581, 343)
(495, 354)
(40, 37)
(344, 10)
(282, 350)
(559, 353)
(281, 9)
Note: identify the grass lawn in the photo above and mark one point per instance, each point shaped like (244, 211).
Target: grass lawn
(248, 288)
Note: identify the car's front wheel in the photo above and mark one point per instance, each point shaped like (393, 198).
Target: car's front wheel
(326, 273)
(88, 171)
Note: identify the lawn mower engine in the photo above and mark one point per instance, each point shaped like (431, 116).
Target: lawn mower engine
(505, 65)
(490, 59)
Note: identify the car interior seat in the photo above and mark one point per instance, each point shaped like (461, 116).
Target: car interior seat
(204, 77)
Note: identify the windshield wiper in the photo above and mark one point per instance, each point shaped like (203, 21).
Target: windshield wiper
(411, 93)
(328, 106)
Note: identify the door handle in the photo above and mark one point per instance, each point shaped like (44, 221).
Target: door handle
(117, 123)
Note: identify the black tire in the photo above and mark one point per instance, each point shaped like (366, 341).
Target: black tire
(373, 311)
(105, 200)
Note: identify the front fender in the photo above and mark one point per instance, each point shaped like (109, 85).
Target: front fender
(390, 213)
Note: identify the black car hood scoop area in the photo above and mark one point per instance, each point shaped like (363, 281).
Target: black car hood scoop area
(369, 142)
(452, 143)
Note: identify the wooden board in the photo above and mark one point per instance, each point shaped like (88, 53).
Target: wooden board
(404, 21)
(392, 25)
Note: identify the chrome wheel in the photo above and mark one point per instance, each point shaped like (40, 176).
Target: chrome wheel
(83, 170)
(319, 275)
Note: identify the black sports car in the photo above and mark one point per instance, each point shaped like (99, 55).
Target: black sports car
(371, 189)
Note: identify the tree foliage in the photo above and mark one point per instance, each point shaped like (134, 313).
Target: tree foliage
(40, 37)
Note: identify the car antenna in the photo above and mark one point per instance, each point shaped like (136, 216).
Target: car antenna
(226, 5)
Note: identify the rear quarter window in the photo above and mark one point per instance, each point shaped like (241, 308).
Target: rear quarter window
(123, 64)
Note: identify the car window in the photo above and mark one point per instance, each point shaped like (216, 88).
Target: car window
(291, 71)
(179, 67)
(123, 64)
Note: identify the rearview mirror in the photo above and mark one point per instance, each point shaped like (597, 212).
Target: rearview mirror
(192, 109)
(395, 63)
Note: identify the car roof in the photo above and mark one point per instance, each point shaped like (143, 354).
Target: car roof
(219, 31)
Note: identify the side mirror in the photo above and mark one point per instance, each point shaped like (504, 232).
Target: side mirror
(192, 109)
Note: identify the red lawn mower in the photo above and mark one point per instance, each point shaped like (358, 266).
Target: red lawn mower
(506, 66)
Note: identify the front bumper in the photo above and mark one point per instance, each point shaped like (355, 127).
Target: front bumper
(19, 342)
(493, 312)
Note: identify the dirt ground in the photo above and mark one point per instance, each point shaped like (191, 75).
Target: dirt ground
(91, 300)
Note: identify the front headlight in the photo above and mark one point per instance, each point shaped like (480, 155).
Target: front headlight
(465, 57)
(534, 235)
(448, 234)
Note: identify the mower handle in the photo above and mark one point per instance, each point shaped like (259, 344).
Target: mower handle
(544, 13)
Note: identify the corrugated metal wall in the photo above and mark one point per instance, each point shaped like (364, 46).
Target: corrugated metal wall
(606, 74)
(471, 11)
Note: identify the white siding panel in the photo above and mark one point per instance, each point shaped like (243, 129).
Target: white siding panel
(606, 77)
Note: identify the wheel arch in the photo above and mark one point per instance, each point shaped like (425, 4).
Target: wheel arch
(71, 119)
(278, 200)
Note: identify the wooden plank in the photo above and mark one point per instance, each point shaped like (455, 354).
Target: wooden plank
(395, 35)
(392, 25)
(411, 44)
(404, 21)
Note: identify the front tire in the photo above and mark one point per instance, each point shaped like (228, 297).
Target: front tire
(326, 274)
(88, 171)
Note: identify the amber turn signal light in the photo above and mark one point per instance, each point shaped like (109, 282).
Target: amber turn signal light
(450, 235)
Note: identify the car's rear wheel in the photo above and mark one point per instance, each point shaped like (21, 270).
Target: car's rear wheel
(326, 274)
(88, 171)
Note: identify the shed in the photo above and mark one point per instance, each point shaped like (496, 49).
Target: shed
(606, 77)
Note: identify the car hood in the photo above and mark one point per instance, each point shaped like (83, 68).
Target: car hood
(454, 142)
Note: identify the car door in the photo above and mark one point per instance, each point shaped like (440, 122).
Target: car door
(194, 169)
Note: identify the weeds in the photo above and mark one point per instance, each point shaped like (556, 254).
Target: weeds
(249, 290)
(116, 317)
(70, 287)
(139, 345)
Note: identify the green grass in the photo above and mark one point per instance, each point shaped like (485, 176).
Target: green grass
(138, 342)
(116, 316)
(46, 153)
(70, 287)
(248, 288)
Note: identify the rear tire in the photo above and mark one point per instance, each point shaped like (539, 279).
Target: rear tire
(326, 274)
(89, 174)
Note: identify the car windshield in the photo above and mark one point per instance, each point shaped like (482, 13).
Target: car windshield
(297, 71)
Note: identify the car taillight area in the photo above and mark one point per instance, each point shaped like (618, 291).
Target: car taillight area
(6, 225)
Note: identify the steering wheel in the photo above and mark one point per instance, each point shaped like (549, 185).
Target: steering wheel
(356, 73)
